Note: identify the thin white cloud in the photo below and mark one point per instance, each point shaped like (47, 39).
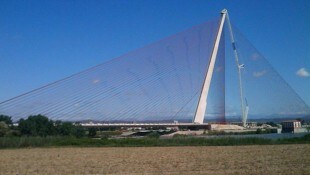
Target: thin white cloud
(260, 73)
(303, 72)
(96, 81)
(255, 56)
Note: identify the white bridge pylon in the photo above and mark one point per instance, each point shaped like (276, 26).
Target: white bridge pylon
(202, 104)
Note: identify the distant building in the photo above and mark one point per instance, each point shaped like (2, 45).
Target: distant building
(249, 124)
(292, 126)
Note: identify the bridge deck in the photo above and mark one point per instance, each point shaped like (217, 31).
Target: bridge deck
(89, 125)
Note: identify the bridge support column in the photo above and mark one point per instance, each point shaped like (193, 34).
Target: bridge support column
(202, 104)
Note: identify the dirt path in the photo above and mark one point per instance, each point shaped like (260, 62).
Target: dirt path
(269, 159)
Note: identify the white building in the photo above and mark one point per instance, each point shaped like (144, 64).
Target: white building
(292, 126)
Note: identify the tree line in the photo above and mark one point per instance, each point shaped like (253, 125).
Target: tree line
(39, 125)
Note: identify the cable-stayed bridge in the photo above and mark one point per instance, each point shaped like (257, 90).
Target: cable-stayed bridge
(209, 72)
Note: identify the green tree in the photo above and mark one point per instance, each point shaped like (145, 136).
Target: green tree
(153, 135)
(69, 129)
(259, 131)
(92, 132)
(66, 128)
(37, 125)
(79, 131)
(6, 119)
(4, 129)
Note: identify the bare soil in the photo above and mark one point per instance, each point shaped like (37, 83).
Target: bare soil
(267, 159)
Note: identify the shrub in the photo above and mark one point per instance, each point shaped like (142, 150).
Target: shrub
(92, 132)
(179, 136)
(79, 131)
(259, 131)
(6, 119)
(13, 133)
(36, 125)
(4, 129)
(153, 135)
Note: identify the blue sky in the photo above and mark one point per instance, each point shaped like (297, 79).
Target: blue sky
(43, 41)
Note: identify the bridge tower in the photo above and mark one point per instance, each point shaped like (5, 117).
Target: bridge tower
(202, 103)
